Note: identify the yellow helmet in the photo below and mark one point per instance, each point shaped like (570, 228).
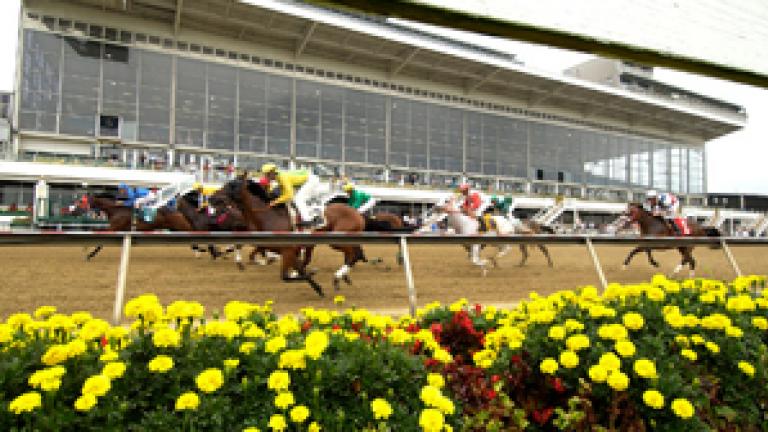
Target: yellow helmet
(268, 168)
(197, 186)
(348, 187)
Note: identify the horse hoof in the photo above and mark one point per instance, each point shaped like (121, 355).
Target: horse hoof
(240, 266)
(494, 262)
(623, 267)
(336, 285)
(346, 279)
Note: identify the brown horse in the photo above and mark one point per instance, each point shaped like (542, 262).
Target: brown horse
(253, 201)
(656, 226)
(343, 218)
(121, 218)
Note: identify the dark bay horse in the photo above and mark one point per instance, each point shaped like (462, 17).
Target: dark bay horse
(651, 225)
(253, 200)
(226, 218)
(121, 218)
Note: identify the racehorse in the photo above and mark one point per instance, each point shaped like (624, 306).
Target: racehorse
(656, 226)
(225, 218)
(466, 225)
(121, 218)
(253, 201)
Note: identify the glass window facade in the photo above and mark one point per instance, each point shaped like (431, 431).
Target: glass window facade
(67, 83)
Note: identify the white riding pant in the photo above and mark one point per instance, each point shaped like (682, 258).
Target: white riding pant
(308, 191)
(367, 206)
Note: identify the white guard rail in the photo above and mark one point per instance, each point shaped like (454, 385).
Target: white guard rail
(159, 238)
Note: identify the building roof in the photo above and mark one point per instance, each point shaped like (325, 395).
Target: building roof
(305, 32)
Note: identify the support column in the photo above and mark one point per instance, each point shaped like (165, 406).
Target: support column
(408, 276)
(731, 259)
(596, 262)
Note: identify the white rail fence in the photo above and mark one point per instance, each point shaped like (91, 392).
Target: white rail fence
(129, 239)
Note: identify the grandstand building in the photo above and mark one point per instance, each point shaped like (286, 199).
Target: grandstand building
(201, 86)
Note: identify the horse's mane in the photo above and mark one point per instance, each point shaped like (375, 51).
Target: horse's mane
(191, 197)
(105, 195)
(257, 190)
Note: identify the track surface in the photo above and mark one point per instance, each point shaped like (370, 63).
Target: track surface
(59, 276)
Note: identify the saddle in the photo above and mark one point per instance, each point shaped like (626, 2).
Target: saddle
(487, 224)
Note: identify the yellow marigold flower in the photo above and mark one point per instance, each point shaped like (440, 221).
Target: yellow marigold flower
(712, 347)
(339, 300)
(436, 380)
(165, 338)
(284, 399)
(715, 321)
(573, 325)
(760, 323)
(277, 423)
(81, 317)
(431, 420)
(615, 332)
(682, 408)
(279, 380)
(146, 306)
(484, 358)
(44, 312)
(6, 333)
(254, 332)
(625, 348)
(314, 427)
(697, 339)
(381, 409)
(275, 344)
(209, 380)
(557, 332)
(161, 363)
(299, 413)
(97, 385)
(747, 368)
(26, 402)
(653, 399)
(569, 359)
(689, 354)
(85, 402)
(442, 356)
(231, 363)
(610, 361)
(93, 329)
(109, 355)
(247, 347)
(113, 370)
(292, 359)
(655, 294)
(315, 343)
(225, 329)
(633, 320)
(548, 366)
(598, 373)
(682, 340)
(691, 320)
(47, 379)
(734, 332)
(19, 321)
(645, 368)
(187, 401)
(675, 320)
(429, 395)
(252, 429)
(55, 354)
(618, 381)
(577, 342)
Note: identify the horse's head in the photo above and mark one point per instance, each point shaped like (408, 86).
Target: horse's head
(635, 212)
(101, 201)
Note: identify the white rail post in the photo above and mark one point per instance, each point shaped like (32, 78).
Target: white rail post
(729, 255)
(596, 262)
(121, 278)
(408, 275)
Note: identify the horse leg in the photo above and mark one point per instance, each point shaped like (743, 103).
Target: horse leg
(651, 260)
(545, 251)
(351, 256)
(238, 256)
(214, 251)
(476, 260)
(291, 274)
(524, 254)
(197, 250)
(684, 260)
(94, 252)
(629, 257)
(501, 252)
(691, 263)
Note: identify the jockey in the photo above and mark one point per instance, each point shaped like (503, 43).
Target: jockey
(501, 205)
(358, 199)
(298, 186)
(473, 205)
(144, 202)
(667, 207)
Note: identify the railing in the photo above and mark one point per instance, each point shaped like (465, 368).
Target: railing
(128, 239)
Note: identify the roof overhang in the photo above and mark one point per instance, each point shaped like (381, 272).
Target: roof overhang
(305, 33)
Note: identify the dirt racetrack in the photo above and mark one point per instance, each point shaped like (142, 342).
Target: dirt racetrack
(59, 276)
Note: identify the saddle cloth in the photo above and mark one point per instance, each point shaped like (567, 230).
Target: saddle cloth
(682, 226)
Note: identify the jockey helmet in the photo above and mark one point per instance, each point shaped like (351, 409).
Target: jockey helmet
(264, 182)
(197, 186)
(268, 168)
(462, 187)
(651, 194)
(348, 187)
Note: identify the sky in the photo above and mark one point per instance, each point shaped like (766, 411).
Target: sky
(736, 163)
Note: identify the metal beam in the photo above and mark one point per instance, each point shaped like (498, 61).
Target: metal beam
(482, 81)
(177, 19)
(532, 103)
(305, 39)
(397, 68)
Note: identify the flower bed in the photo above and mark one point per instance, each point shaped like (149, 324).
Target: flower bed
(663, 355)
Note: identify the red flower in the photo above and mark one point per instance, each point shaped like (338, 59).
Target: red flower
(430, 362)
(306, 326)
(478, 308)
(416, 346)
(542, 416)
(516, 359)
(495, 379)
(103, 341)
(557, 384)
(490, 394)
(336, 327)
(412, 328)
